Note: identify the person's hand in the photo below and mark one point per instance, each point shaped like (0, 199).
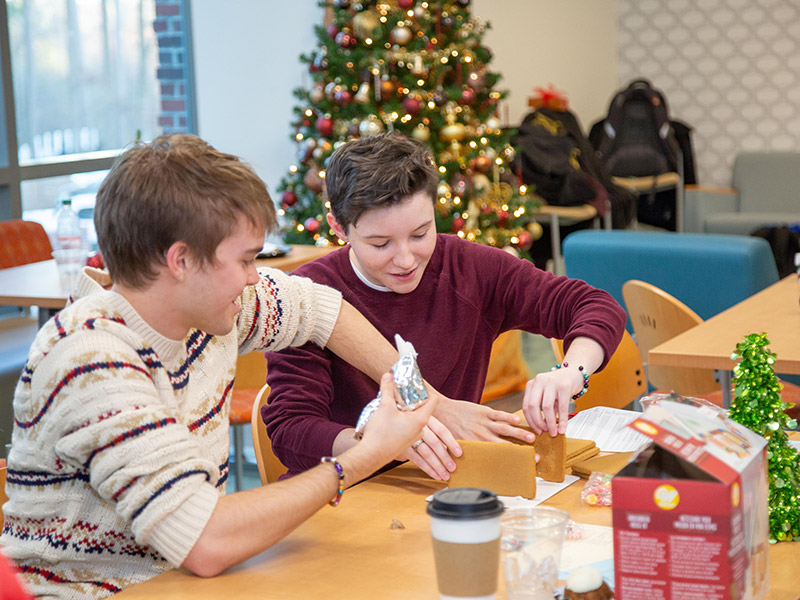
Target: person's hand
(546, 401)
(433, 452)
(469, 421)
(390, 430)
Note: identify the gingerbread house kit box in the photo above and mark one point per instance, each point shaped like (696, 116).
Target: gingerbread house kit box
(690, 511)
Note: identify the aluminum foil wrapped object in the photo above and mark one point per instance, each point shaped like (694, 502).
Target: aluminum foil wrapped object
(407, 378)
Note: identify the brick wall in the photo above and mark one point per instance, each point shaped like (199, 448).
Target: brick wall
(173, 67)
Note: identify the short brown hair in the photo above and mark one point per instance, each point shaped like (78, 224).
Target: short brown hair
(376, 171)
(175, 188)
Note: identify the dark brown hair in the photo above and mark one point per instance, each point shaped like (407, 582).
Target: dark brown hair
(175, 188)
(376, 171)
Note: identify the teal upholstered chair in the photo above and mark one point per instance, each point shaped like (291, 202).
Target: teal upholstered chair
(765, 192)
(707, 272)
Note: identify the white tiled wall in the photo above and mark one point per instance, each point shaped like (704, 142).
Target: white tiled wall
(728, 68)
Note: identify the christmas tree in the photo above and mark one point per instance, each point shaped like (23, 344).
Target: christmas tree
(417, 68)
(758, 406)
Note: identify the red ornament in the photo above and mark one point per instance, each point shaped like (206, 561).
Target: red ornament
(313, 181)
(289, 198)
(481, 163)
(345, 40)
(333, 30)
(311, 225)
(412, 105)
(458, 224)
(405, 4)
(324, 125)
(343, 97)
(525, 240)
(468, 96)
(502, 217)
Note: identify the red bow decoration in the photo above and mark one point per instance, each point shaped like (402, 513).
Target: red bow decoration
(549, 97)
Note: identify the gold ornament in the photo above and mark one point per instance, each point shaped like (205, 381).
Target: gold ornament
(421, 133)
(401, 35)
(453, 130)
(417, 66)
(480, 183)
(370, 126)
(535, 229)
(493, 123)
(365, 22)
(317, 93)
(362, 95)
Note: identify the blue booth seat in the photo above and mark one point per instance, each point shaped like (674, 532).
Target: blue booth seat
(708, 272)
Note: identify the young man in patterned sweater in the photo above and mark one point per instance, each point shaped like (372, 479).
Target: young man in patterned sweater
(120, 446)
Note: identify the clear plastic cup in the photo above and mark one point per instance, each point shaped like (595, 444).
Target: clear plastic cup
(531, 551)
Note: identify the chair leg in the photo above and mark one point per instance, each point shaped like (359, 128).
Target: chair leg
(238, 455)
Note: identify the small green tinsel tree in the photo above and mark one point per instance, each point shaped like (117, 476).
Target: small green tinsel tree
(758, 406)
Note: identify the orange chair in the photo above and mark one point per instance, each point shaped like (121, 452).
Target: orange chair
(620, 383)
(251, 374)
(23, 242)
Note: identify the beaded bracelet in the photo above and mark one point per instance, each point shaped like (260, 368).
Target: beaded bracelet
(583, 372)
(340, 474)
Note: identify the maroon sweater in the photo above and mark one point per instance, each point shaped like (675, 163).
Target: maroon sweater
(468, 295)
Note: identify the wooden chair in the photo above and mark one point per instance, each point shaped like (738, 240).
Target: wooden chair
(656, 317)
(507, 372)
(269, 467)
(620, 383)
(251, 373)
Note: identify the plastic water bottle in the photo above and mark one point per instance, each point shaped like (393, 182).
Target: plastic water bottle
(70, 252)
(68, 228)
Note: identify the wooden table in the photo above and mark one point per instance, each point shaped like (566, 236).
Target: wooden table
(774, 310)
(37, 284)
(353, 552)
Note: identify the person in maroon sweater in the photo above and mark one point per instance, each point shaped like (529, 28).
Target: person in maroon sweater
(449, 297)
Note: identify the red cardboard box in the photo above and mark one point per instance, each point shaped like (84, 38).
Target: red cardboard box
(690, 511)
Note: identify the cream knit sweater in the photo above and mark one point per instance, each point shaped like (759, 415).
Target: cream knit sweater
(120, 442)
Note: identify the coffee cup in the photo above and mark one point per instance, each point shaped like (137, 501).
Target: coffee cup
(531, 545)
(465, 527)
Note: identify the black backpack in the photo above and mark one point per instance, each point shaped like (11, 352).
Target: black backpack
(637, 138)
(554, 156)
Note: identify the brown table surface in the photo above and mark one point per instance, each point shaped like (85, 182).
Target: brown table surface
(353, 552)
(37, 284)
(774, 310)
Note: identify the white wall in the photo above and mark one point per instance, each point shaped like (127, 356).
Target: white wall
(571, 45)
(246, 65)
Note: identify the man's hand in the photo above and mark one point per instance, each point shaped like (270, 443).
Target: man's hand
(546, 401)
(469, 421)
(391, 431)
(432, 451)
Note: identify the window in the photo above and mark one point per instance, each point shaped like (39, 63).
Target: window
(84, 75)
(89, 77)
